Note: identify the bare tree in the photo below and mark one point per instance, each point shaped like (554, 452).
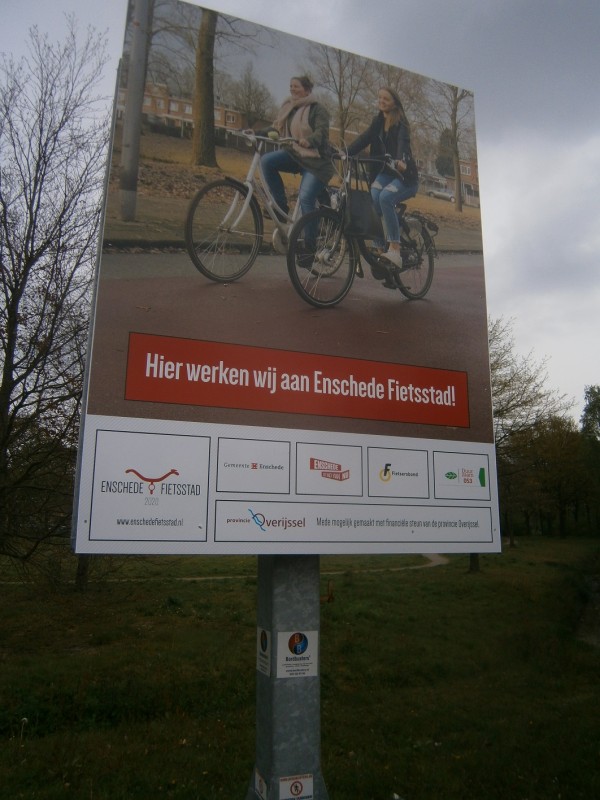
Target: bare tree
(520, 393)
(53, 144)
(172, 46)
(252, 97)
(409, 86)
(451, 114)
(345, 76)
(204, 97)
(522, 403)
(228, 32)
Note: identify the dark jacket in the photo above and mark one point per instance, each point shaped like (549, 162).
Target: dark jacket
(396, 143)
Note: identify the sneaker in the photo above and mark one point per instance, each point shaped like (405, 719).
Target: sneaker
(395, 257)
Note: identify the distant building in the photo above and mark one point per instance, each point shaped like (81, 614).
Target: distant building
(164, 113)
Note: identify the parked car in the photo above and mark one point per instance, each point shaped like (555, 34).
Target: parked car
(442, 194)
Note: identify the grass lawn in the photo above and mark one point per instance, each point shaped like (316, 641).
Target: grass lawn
(436, 684)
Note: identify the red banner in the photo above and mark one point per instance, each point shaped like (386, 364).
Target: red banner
(164, 369)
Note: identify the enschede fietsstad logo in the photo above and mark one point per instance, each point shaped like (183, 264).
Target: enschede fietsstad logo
(140, 484)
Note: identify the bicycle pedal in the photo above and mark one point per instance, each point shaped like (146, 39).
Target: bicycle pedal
(379, 272)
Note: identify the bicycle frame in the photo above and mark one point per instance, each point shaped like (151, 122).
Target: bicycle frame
(259, 185)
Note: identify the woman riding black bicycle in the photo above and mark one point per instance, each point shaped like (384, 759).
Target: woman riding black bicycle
(389, 134)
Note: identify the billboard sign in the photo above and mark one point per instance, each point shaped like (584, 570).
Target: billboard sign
(236, 412)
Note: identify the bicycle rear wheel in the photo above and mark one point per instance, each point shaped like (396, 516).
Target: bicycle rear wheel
(415, 277)
(223, 230)
(321, 259)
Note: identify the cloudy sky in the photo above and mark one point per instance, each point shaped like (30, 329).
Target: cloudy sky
(533, 66)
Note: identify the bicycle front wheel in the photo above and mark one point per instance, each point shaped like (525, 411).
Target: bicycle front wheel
(321, 259)
(415, 277)
(223, 230)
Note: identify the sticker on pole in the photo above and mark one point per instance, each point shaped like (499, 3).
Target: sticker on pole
(297, 654)
(263, 651)
(297, 787)
(260, 786)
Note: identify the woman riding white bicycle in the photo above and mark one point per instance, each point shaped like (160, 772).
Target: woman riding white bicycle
(306, 121)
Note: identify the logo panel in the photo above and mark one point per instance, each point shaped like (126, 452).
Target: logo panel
(149, 487)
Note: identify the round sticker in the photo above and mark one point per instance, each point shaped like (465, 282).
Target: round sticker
(297, 643)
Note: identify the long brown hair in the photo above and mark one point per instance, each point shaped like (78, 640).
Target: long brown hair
(397, 114)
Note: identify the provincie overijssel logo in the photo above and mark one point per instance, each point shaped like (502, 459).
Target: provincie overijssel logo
(329, 469)
(141, 484)
(264, 522)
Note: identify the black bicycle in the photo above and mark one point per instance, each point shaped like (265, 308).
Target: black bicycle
(325, 250)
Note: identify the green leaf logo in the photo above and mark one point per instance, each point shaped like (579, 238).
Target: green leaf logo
(451, 476)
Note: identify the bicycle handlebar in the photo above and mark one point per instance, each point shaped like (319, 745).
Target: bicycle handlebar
(254, 137)
(386, 160)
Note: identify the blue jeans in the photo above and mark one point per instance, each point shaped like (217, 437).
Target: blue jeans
(387, 192)
(281, 161)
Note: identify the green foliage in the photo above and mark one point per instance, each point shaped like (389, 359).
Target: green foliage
(548, 470)
(435, 682)
(590, 419)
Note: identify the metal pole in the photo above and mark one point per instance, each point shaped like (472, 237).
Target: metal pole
(288, 696)
(132, 121)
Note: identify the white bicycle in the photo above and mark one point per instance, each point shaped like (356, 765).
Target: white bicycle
(224, 228)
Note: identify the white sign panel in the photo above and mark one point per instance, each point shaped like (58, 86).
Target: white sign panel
(161, 490)
(230, 408)
(298, 787)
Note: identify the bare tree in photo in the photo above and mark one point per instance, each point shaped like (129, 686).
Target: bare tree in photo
(252, 97)
(204, 99)
(227, 32)
(451, 114)
(409, 86)
(53, 145)
(345, 76)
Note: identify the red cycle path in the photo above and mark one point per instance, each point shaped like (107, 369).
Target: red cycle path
(374, 335)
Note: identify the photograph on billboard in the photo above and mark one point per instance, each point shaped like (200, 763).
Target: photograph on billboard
(289, 345)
